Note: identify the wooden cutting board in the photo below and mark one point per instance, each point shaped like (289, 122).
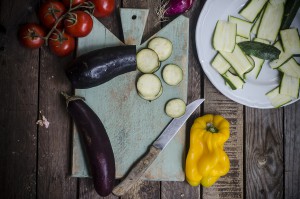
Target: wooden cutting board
(132, 123)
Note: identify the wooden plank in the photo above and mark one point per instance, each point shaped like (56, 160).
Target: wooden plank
(292, 151)
(264, 153)
(54, 143)
(183, 189)
(19, 104)
(87, 190)
(231, 185)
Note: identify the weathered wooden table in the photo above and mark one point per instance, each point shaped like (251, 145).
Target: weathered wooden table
(264, 147)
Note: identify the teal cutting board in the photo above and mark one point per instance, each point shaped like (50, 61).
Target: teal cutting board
(131, 122)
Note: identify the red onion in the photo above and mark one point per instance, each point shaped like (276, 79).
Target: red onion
(174, 7)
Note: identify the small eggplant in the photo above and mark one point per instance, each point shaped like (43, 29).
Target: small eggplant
(97, 144)
(99, 66)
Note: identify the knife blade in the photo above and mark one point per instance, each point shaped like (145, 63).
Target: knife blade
(158, 145)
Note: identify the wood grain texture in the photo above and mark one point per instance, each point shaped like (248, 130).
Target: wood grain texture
(264, 153)
(136, 172)
(19, 102)
(231, 185)
(54, 143)
(292, 151)
(87, 190)
(179, 190)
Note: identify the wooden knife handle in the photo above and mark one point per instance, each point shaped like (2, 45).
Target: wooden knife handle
(137, 171)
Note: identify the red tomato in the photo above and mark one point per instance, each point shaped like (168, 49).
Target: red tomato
(61, 43)
(31, 35)
(74, 2)
(50, 11)
(78, 24)
(103, 8)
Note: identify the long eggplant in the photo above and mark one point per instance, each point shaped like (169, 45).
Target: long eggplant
(99, 66)
(97, 144)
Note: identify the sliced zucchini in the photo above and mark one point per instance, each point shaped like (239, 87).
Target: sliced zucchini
(270, 22)
(232, 71)
(256, 23)
(258, 63)
(175, 108)
(290, 40)
(243, 28)
(172, 74)
(220, 64)
(277, 99)
(283, 56)
(148, 85)
(147, 61)
(291, 68)
(251, 60)
(289, 86)
(260, 50)
(238, 60)
(162, 46)
(151, 98)
(235, 82)
(239, 39)
(252, 8)
(224, 36)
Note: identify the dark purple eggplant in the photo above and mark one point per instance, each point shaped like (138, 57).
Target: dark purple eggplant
(99, 66)
(96, 142)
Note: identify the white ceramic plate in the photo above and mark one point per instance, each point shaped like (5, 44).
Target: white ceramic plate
(253, 93)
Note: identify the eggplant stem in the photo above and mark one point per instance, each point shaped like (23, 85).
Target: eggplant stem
(71, 98)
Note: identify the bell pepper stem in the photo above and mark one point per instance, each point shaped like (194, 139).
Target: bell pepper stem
(211, 128)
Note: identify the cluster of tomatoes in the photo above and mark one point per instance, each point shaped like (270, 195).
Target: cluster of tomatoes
(62, 22)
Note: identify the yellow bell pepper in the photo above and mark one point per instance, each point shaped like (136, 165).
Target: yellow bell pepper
(206, 159)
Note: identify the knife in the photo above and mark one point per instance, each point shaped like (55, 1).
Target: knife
(158, 145)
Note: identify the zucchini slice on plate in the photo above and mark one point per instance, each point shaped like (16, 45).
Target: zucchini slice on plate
(238, 60)
(290, 40)
(235, 82)
(224, 36)
(162, 46)
(149, 86)
(243, 28)
(172, 74)
(239, 39)
(289, 86)
(175, 108)
(147, 61)
(277, 99)
(283, 56)
(252, 8)
(271, 22)
(220, 64)
(291, 68)
(256, 23)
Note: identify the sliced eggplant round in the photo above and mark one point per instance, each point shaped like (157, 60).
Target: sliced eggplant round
(147, 61)
(172, 74)
(148, 85)
(162, 46)
(99, 66)
(175, 108)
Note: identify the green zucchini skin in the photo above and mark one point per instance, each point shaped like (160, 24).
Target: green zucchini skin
(290, 11)
(99, 66)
